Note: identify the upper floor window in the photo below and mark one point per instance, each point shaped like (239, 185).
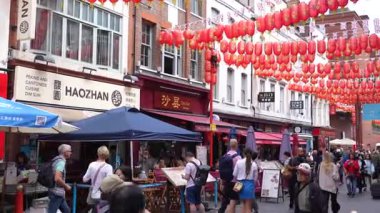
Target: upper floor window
(181, 3)
(214, 14)
(282, 99)
(172, 60)
(262, 89)
(243, 89)
(307, 106)
(194, 66)
(196, 7)
(216, 86)
(272, 89)
(230, 85)
(146, 44)
(76, 31)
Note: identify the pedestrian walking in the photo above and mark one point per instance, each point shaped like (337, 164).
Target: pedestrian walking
(351, 168)
(294, 163)
(369, 170)
(245, 172)
(308, 198)
(227, 164)
(362, 169)
(193, 191)
(327, 178)
(96, 172)
(57, 193)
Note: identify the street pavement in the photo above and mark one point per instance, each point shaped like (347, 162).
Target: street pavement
(361, 203)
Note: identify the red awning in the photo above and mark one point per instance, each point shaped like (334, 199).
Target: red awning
(279, 135)
(202, 123)
(264, 136)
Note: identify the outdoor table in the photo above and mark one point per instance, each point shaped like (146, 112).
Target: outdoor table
(29, 189)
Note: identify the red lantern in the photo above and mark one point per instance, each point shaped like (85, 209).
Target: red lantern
(294, 48)
(208, 66)
(353, 44)
(342, 3)
(269, 22)
(93, 1)
(355, 67)
(228, 31)
(311, 47)
(363, 85)
(268, 48)
(285, 48)
(322, 9)
(342, 43)
(289, 67)
(313, 8)
(286, 17)
(188, 34)
(311, 57)
(193, 44)
(235, 30)
(373, 41)
(321, 68)
(178, 38)
(332, 4)
(162, 37)
(278, 20)
(242, 29)
(342, 84)
(258, 48)
(328, 68)
(102, 1)
(371, 67)
(321, 46)
(241, 47)
(294, 16)
(232, 47)
(328, 84)
(249, 48)
(312, 69)
(260, 23)
(363, 41)
(337, 68)
(377, 84)
(331, 47)
(208, 77)
(250, 27)
(294, 59)
(346, 68)
(218, 33)
(285, 59)
(302, 47)
(305, 68)
(276, 48)
(303, 11)
(224, 45)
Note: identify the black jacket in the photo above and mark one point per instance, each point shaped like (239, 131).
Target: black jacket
(315, 198)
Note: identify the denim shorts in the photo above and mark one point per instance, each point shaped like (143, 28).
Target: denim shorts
(193, 195)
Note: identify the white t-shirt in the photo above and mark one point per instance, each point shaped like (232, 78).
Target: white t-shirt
(191, 170)
(91, 171)
(239, 171)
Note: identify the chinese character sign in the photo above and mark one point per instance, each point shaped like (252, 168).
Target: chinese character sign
(172, 102)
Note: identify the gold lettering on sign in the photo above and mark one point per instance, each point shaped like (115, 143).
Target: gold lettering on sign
(176, 103)
(165, 100)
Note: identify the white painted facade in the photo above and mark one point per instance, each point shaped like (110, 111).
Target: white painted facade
(120, 9)
(278, 111)
(4, 35)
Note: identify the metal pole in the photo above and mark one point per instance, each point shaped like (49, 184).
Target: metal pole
(74, 198)
(211, 123)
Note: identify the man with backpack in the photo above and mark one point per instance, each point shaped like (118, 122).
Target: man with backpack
(226, 167)
(196, 175)
(57, 192)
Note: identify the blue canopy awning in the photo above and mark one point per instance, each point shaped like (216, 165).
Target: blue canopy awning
(125, 124)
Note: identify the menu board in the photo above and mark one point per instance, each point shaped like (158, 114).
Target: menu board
(271, 183)
(202, 154)
(174, 175)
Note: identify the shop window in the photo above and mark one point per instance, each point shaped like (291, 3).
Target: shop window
(172, 61)
(194, 66)
(243, 98)
(146, 45)
(69, 30)
(282, 99)
(230, 85)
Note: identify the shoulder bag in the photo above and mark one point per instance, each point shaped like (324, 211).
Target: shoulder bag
(92, 196)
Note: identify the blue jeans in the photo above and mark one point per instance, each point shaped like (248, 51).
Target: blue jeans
(57, 202)
(351, 184)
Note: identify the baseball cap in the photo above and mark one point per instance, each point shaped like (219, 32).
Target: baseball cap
(304, 168)
(111, 182)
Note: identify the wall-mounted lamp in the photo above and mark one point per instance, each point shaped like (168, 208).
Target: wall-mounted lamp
(89, 70)
(130, 78)
(44, 58)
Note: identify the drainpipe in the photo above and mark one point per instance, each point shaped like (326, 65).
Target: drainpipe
(134, 39)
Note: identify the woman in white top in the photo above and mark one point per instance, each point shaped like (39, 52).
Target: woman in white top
(328, 177)
(96, 172)
(246, 171)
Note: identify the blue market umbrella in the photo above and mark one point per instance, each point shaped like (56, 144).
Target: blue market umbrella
(18, 117)
(285, 145)
(251, 140)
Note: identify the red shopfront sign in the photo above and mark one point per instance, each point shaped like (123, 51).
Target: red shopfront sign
(172, 102)
(324, 132)
(3, 94)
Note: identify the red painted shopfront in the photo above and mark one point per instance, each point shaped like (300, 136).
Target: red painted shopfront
(322, 137)
(3, 94)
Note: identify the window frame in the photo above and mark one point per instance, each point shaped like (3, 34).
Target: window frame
(262, 83)
(176, 56)
(149, 45)
(195, 7)
(194, 73)
(272, 106)
(282, 99)
(83, 21)
(230, 85)
(244, 90)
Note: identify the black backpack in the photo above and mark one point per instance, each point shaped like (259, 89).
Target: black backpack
(46, 174)
(201, 175)
(226, 167)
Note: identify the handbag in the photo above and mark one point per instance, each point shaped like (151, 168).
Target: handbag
(93, 198)
(238, 186)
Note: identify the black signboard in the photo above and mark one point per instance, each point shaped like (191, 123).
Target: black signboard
(266, 97)
(296, 104)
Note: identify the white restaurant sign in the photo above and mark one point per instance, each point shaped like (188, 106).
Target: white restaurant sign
(53, 89)
(26, 19)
